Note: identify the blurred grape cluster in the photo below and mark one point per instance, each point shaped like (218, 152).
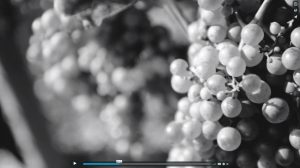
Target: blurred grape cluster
(104, 83)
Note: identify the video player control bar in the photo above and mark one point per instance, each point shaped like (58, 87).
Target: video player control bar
(123, 163)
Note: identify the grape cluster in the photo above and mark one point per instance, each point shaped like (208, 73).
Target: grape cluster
(219, 118)
(102, 71)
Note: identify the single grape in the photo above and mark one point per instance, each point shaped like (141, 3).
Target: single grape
(179, 67)
(236, 67)
(210, 129)
(62, 43)
(36, 26)
(194, 111)
(251, 55)
(180, 117)
(221, 95)
(284, 156)
(234, 32)
(86, 55)
(226, 53)
(97, 64)
(290, 87)
(291, 58)
(175, 152)
(229, 139)
(225, 43)
(62, 6)
(34, 52)
(275, 28)
(191, 129)
(183, 104)
(251, 83)
(216, 83)
(295, 37)
(227, 10)
(174, 131)
(210, 4)
(194, 92)
(71, 23)
(202, 145)
(231, 107)
(276, 110)
(248, 128)
(207, 154)
(252, 34)
(265, 162)
(211, 110)
(69, 66)
(261, 95)
(205, 93)
(196, 31)
(275, 66)
(296, 77)
(180, 85)
(216, 34)
(204, 71)
(246, 159)
(207, 54)
(277, 49)
(294, 139)
(193, 50)
(213, 17)
(188, 154)
(50, 20)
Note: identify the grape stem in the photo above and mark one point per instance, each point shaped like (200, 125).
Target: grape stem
(235, 86)
(239, 19)
(266, 30)
(267, 54)
(289, 28)
(261, 12)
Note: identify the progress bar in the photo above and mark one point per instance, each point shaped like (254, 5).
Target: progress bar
(123, 163)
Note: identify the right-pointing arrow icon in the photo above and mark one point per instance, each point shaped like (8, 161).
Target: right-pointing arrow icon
(74, 163)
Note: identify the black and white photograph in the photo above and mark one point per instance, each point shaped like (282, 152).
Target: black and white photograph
(149, 83)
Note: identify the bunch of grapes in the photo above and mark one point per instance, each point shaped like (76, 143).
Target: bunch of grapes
(227, 101)
(98, 71)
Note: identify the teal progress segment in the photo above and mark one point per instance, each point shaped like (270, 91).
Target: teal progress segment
(100, 164)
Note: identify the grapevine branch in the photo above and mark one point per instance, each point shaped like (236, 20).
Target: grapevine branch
(123, 8)
(20, 106)
(18, 125)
